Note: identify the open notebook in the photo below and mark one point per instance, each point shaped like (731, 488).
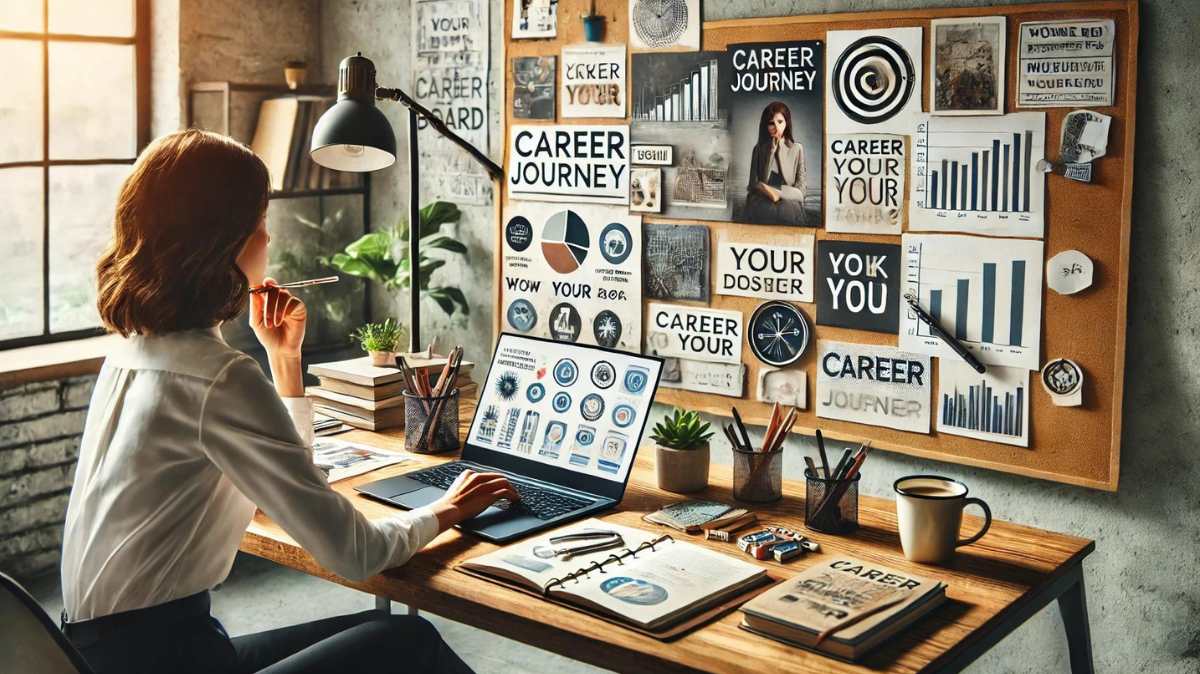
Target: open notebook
(653, 583)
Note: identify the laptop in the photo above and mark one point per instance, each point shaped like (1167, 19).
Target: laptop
(562, 421)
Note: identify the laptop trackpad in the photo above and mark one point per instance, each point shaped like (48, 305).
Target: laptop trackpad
(420, 497)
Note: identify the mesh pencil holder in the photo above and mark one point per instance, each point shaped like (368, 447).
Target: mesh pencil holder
(830, 506)
(419, 437)
(757, 476)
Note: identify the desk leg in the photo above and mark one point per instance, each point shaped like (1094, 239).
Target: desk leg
(383, 604)
(1072, 604)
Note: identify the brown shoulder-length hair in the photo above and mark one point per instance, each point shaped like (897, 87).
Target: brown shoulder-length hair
(183, 216)
(768, 113)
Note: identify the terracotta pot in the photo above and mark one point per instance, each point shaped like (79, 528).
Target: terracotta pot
(294, 74)
(383, 358)
(682, 470)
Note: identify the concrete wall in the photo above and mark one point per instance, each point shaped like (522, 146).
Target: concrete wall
(1144, 601)
(381, 30)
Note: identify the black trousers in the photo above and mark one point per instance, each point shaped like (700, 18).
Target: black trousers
(182, 636)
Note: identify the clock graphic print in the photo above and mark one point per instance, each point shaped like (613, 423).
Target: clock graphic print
(565, 241)
(778, 333)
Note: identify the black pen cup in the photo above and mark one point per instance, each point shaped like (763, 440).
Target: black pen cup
(830, 506)
(431, 423)
(757, 476)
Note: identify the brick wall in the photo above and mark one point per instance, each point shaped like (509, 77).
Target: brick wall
(40, 427)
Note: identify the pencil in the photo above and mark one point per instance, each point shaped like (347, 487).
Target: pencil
(821, 449)
(297, 284)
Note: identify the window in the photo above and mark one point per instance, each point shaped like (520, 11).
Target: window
(74, 114)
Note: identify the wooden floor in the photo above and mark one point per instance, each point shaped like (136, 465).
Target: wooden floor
(991, 583)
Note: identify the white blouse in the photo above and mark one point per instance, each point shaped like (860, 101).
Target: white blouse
(184, 437)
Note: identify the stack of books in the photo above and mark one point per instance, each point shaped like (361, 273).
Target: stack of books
(842, 607)
(362, 395)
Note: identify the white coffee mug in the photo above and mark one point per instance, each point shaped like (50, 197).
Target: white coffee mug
(929, 511)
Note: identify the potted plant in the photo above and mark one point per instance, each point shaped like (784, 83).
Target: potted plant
(593, 24)
(381, 341)
(682, 451)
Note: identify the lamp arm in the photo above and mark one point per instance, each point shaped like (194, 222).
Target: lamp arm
(436, 122)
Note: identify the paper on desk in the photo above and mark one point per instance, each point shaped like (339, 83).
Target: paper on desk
(340, 460)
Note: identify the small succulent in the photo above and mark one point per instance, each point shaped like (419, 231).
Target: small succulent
(383, 336)
(681, 430)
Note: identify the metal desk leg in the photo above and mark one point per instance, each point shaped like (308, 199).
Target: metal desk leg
(1072, 604)
(383, 604)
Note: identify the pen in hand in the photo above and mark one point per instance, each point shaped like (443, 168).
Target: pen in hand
(298, 284)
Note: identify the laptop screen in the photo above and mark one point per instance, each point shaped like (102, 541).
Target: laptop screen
(580, 408)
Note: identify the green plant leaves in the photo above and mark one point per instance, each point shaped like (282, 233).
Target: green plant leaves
(681, 430)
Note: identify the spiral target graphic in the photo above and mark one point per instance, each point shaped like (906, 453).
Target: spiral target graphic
(873, 79)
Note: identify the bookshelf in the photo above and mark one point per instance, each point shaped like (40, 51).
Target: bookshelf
(232, 108)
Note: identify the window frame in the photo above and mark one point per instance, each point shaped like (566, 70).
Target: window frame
(140, 41)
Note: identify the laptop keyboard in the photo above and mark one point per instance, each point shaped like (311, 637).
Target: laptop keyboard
(543, 504)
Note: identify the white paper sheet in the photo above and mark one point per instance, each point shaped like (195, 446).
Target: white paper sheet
(986, 292)
(677, 331)
(1066, 63)
(593, 81)
(573, 163)
(673, 24)
(579, 268)
(450, 77)
(748, 269)
(979, 175)
(993, 406)
(874, 384)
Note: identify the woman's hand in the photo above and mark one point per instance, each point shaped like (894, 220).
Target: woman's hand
(277, 318)
(770, 192)
(470, 494)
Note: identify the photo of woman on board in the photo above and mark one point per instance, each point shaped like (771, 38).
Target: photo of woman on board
(776, 189)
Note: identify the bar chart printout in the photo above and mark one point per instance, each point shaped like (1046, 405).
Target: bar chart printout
(993, 406)
(979, 174)
(987, 293)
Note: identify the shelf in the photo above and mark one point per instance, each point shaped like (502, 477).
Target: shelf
(262, 87)
(297, 194)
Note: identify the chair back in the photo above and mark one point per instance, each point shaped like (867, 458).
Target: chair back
(30, 642)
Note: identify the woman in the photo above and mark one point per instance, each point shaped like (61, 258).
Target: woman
(775, 193)
(185, 436)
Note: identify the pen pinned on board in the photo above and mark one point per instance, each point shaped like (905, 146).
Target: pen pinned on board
(941, 334)
(297, 284)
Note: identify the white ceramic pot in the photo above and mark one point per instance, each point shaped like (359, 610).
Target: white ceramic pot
(682, 470)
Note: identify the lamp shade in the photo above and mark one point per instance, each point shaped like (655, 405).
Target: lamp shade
(354, 135)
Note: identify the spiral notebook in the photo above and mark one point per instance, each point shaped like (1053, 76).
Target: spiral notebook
(654, 584)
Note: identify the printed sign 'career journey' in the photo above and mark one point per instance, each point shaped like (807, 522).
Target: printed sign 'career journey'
(569, 163)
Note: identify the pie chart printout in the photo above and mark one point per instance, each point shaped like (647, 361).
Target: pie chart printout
(565, 241)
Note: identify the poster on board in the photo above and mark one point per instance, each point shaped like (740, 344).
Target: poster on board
(676, 331)
(967, 74)
(450, 52)
(858, 285)
(664, 24)
(987, 293)
(533, 87)
(979, 175)
(776, 123)
(765, 271)
(723, 379)
(993, 406)
(576, 163)
(873, 80)
(680, 114)
(1066, 63)
(874, 384)
(865, 183)
(593, 80)
(534, 18)
(573, 273)
(676, 262)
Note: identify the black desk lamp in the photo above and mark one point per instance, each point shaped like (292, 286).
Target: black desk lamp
(354, 135)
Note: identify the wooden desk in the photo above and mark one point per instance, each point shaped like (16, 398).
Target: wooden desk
(994, 586)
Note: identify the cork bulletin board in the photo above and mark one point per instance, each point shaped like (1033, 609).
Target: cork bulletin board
(1074, 445)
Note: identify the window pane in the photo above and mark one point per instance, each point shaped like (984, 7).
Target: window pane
(92, 17)
(82, 202)
(92, 105)
(21, 249)
(22, 15)
(21, 104)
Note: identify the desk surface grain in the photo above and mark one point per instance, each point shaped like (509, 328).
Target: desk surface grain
(985, 582)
